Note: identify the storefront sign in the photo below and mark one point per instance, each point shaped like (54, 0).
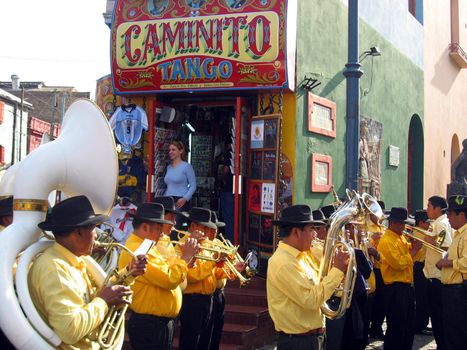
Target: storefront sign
(199, 45)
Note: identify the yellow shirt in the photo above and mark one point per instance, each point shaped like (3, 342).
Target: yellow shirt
(294, 293)
(440, 226)
(457, 252)
(63, 295)
(157, 291)
(396, 261)
(165, 247)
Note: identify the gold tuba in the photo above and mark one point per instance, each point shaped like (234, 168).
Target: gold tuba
(82, 160)
(355, 210)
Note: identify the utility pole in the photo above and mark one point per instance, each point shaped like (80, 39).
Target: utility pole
(20, 153)
(53, 116)
(353, 73)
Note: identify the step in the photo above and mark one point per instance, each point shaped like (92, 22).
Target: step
(244, 314)
(245, 297)
(239, 334)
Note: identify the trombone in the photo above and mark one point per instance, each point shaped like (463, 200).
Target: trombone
(408, 232)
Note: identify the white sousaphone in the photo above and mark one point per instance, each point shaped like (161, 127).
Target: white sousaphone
(82, 160)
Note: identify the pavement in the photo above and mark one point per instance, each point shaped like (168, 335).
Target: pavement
(421, 342)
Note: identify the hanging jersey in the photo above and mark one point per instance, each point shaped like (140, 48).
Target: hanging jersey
(121, 221)
(128, 123)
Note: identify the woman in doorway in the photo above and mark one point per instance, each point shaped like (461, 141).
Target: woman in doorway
(180, 177)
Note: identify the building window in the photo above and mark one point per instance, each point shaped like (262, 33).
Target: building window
(321, 173)
(416, 9)
(321, 116)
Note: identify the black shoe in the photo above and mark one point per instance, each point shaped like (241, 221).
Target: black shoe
(425, 332)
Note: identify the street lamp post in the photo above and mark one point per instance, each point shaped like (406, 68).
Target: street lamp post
(353, 73)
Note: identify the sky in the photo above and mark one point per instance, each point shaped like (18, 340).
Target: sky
(58, 42)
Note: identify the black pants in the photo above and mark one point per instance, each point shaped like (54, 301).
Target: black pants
(435, 309)
(421, 297)
(195, 333)
(308, 342)
(151, 332)
(355, 335)
(455, 316)
(377, 307)
(217, 319)
(399, 300)
(335, 327)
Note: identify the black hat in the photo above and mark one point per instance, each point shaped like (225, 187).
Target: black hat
(214, 219)
(327, 211)
(382, 205)
(421, 215)
(296, 215)
(458, 202)
(318, 215)
(153, 212)
(398, 214)
(6, 206)
(72, 212)
(168, 203)
(201, 216)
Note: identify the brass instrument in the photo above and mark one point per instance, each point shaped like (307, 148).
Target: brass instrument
(248, 273)
(181, 234)
(109, 258)
(114, 321)
(355, 210)
(337, 202)
(408, 232)
(217, 250)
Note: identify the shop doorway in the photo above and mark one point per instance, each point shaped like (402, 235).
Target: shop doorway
(215, 136)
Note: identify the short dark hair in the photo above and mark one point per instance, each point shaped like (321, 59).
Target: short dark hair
(285, 231)
(438, 201)
(138, 222)
(457, 211)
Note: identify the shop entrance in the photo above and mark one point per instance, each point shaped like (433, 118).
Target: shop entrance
(215, 136)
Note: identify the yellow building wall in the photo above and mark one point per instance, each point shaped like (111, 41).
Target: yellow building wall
(445, 95)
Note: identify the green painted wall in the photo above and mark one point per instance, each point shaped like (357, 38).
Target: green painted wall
(394, 95)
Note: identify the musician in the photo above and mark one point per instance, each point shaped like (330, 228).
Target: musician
(420, 281)
(454, 277)
(397, 272)
(294, 292)
(376, 231)
(157, 295)
(195, 331)
(334, 327)
(218, 298)
(441, 236)
(170, 214)
(355, 332)
(6, 219)
(60, 286)
(6, 212)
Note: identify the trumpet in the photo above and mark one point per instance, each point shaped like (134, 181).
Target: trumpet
(114, 321)
(182, 234)
(425, 244)
(217, 251)
(237, 259)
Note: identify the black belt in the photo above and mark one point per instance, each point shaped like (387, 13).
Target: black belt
(151, 317)
(400, 284)
(317, 331)
(198, 296)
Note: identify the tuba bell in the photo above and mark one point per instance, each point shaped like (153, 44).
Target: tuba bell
(82, 160)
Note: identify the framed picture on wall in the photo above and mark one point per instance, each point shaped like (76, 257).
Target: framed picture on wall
(321, 173)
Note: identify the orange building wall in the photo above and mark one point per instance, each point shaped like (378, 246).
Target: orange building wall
(445, 94)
